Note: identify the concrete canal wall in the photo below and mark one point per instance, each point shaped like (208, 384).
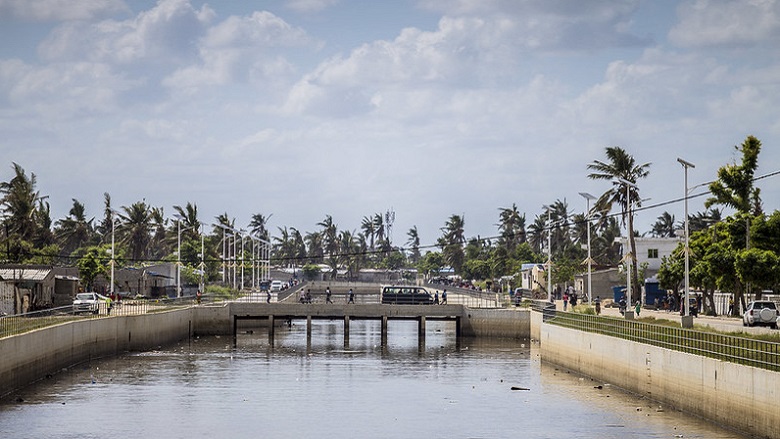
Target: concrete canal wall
(741, 397)
(32, 356)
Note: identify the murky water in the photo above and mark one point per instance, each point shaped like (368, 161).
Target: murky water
(209, 388)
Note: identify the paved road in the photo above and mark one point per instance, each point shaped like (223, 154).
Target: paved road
(719, 323)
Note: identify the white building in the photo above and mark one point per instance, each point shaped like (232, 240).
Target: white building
(651, 251)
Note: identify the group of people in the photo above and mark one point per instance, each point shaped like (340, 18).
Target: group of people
(305, 296)
(443, 297)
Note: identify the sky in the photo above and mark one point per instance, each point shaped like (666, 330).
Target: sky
(300, 109)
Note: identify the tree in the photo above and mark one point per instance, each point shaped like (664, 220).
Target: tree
(734, 186)
(91, 264)
(27, 220)
(414, 243)
(621, 165)
(511, 226)
(664, 227)
(75, 230)
(258, 225)
(135, 223)
(451, 242)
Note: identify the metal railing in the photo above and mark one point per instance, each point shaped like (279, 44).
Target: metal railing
(20, 323)
(734, 349)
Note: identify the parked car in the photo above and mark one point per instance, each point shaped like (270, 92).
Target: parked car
(87, 302)
(760, 312)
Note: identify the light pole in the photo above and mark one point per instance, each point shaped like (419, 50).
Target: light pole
(225, 248)
(202, 258)
(549, 253)
(685, 166)
(588, 197)
(113, 261)
(630, 254)
(178, 256)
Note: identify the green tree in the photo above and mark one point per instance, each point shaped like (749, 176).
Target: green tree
(75, 230)
(451, 242)
(664, 226)
(621, 165)
(92, 264)
(414, 243)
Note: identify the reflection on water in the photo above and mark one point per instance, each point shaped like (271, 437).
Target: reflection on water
(212, 388)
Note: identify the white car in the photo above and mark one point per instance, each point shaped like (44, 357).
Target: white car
(760, 312)
(276, 285)
(86, 302)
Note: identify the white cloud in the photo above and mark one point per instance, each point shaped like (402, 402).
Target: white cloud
(728, 23)
(310, 6)
(166, 33)
(59, 10)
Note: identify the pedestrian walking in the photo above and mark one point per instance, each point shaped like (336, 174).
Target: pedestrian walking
(436, 297)
(444, 297)
(597, 301)
(267, 297)
(637, 307)
(351, 296)
(565, 300)
(327, 295)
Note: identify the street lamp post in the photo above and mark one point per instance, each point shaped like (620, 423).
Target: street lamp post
(630, 254)
(202, 258)
(685, 166)
(113, 257)
(549, 253)
(588, 197)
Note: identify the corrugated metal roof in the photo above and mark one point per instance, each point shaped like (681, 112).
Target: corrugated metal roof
(30, 274)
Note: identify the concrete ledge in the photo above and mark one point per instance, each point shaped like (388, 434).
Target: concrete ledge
(741, 397)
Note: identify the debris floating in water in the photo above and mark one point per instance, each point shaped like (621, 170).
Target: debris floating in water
(520, 388)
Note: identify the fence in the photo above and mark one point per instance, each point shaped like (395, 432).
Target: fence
(740, 350)
(20, 323)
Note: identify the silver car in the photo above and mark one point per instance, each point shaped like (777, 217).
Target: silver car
(760, 312)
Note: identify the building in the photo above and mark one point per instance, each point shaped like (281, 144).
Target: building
(26, 288)
(651, 251)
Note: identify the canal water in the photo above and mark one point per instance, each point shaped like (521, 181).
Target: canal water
(209, 387)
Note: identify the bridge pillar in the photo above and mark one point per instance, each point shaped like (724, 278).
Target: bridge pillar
(346, 331)
(308, 328)
(271, 329)
(384, 330)
(421, 329)
(458, 331)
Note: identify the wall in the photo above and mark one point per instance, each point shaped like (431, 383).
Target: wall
(500, 323)
(742, 397)
(29, 357)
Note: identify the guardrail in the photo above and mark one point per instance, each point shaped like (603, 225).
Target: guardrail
(30, 321)
(740, 350)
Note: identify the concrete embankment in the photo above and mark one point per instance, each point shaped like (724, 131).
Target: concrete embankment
(32, 356)
(29, 357)
(741, 397)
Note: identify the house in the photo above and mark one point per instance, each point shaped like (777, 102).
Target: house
(533, 277)
(26, 288)
(651, 251)
(603, 280)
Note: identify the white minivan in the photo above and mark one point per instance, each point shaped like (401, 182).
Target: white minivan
(276, 285)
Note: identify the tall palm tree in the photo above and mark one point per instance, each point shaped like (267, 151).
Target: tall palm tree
(379, 231)
(414, 243)
(20, 199)
(104, 228)
(512, 227)
(259, 225)
(538, 232)
(190, 223)
(703, 220)
(621, 165)
(75, 230)
(451, 242)
(369, 230)
(134, 230)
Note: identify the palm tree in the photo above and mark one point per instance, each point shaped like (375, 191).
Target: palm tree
(104, 228)
(75, 230)
(134, 230)
(19, 201)
(734, 186)
(258, 225)
(703, 220)
(190, 223)
(379, 231)
(451, 242)
(369, 230)
(538, 232)
(664, 227)
(621, 165)
(414, 243)
(512, 227)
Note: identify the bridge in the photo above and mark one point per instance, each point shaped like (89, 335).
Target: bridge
(273, 313)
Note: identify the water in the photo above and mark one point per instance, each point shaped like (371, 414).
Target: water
(209, 388)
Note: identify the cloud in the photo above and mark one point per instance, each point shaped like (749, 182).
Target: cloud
(554, 24)
(59, 10)
(727, 23)
(243, 49)
(310, 6)
(166, 33)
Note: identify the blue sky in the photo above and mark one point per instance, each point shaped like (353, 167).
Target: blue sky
(308, 108)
